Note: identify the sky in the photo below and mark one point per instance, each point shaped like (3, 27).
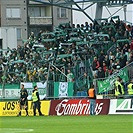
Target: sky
(79, 17)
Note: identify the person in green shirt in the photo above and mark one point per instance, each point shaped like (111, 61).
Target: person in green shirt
(62, 77)
(85, 81)
(70, 76)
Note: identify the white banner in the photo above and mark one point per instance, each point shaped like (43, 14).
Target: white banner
(63, 89)
(41, 89)
(121, 106)
(39, 85)
(14, 93)
(10, 93)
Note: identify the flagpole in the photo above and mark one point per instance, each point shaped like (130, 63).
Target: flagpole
(59, 70)
(47, 81)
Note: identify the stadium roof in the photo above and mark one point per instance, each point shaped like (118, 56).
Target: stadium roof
(74, 4)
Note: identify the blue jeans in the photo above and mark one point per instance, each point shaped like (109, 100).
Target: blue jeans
(92, 106)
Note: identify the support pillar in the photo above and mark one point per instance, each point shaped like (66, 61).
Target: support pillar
(99, 10)
(125, 12)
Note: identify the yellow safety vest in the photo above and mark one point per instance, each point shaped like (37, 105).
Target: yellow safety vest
(34, 96)
(116, 90)
(130, 90)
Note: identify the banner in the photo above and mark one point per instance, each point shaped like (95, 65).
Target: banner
(78, 107)
(11, 108)
(63, 89)
(108, 84)
(41, 89)
(121, 106)
(12, 91)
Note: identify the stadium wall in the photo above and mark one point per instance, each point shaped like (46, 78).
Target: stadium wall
(121, 106)
(70, 107)
(78, 107)
(11, 108)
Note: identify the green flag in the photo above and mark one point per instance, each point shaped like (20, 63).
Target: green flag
(63, 89)
(108, 84)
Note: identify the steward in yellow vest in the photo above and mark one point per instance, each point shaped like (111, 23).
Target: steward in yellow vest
(35, 96)
(130, 88)
(36, 101)
(119, 89)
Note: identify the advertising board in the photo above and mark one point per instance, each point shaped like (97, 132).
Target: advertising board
(78, 107)
(11, 108)
(121, 106)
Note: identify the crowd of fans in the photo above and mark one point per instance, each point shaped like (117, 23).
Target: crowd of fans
(69, 49)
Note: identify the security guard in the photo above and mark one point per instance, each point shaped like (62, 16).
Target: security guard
(23, 100)
(36, 101)
(119, 89)
(130, 87)
(92, 97)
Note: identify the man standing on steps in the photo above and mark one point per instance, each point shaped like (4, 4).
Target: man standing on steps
(36, 101)
(92, 97)
(23, 100)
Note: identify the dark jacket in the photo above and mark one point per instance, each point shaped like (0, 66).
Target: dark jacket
(95, 65)
(101, 74)
(23, 94)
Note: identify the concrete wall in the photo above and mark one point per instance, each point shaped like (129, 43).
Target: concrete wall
(23, 22)
(9, 37)
(15, 22)
(57, 21)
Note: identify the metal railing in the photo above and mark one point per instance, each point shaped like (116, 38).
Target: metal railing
(109, 90)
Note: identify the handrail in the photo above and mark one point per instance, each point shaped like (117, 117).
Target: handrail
(114, 73)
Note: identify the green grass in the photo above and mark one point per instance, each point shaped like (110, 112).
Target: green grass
(67, 124)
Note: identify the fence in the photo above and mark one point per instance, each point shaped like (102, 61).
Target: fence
(56, 78)
(57, 72)
(80, 83)
(58, 87)
(106, 87)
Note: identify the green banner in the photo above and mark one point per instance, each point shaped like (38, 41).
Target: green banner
(108, 84)
(12, 91)
(63, 89)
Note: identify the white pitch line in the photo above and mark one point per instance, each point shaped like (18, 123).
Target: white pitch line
(15, 130)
